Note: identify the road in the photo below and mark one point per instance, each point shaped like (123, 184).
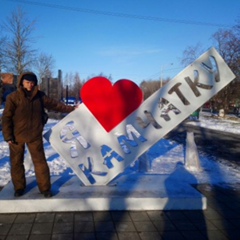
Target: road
(214, 142)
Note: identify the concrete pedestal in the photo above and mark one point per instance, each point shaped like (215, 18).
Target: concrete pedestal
(127, 192)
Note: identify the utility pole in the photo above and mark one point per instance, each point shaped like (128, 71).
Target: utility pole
(60, 87)
(48, 86)
(161, 77)
(67, 94)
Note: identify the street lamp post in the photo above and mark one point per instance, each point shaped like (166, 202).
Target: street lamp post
(161, 77)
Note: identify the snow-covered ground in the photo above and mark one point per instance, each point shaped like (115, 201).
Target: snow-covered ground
(166, 157)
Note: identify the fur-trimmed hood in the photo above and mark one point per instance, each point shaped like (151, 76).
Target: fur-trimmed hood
(30, 76)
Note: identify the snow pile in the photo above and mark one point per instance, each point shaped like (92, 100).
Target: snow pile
(165, 157)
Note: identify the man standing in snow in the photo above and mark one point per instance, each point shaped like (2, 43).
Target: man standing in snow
(23, 124)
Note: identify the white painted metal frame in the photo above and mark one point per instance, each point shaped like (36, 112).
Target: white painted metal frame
(97, 156)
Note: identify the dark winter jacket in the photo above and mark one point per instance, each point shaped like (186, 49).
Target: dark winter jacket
(22, 116)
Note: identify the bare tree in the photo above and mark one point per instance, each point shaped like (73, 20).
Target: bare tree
(69, 80)
(101, 74)
(73, 85)
(18, 50)
(77, 85)
(236, 28)
(149, 87)
(1, 90)
(228, 45)
(191, 53)
(2, 64)
(45, 66)
(2, 53)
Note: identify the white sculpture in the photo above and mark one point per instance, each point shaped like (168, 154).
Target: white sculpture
(97, 156)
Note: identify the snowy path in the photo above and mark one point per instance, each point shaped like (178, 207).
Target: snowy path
(166, 157)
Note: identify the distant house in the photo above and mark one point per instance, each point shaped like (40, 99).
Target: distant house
(52, 86)
(9, 84)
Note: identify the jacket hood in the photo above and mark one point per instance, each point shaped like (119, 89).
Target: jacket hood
(28, 76)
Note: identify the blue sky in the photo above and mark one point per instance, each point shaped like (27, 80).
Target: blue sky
(146, 42)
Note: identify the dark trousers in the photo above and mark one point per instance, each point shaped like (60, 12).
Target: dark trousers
(39, 161)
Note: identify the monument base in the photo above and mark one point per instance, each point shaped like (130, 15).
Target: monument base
(128, 192)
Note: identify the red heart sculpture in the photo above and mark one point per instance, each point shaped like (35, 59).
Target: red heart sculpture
(111, 104)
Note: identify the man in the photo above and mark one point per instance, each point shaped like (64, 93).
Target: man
(23, 124)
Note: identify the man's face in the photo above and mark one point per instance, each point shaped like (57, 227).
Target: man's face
(28, 84)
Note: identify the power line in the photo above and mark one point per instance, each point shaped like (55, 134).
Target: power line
(165, 70)
(122, 15)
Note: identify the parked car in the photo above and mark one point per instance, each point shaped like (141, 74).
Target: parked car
(72, 101)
